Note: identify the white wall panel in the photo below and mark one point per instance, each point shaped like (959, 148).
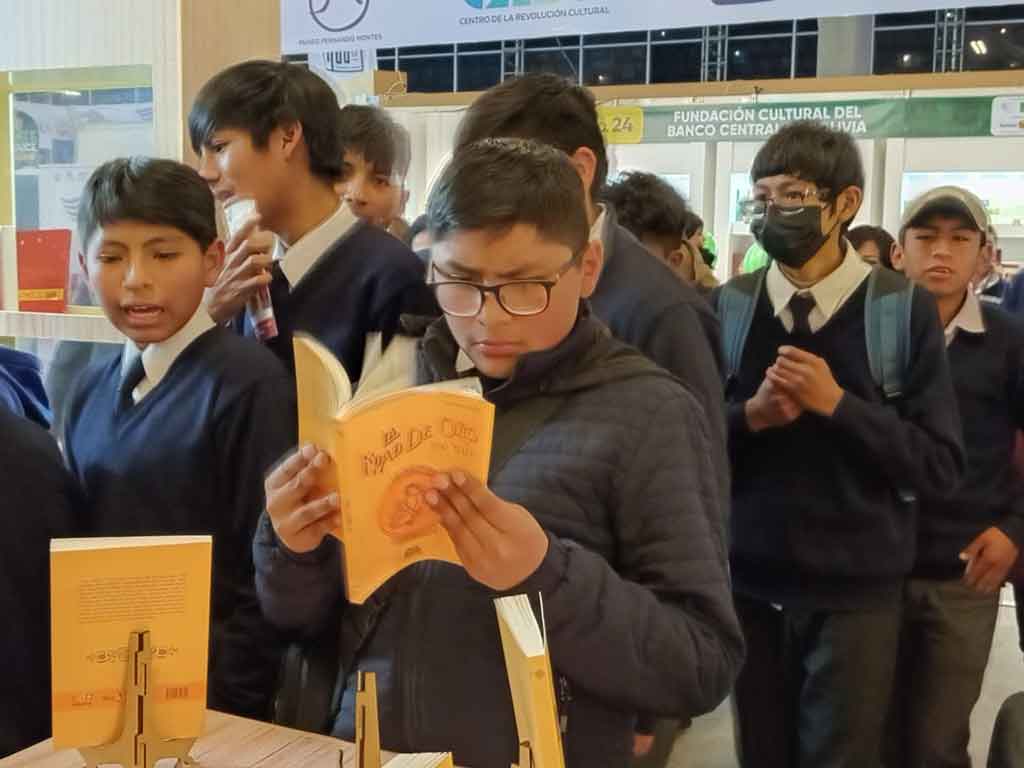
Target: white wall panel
(52, 34)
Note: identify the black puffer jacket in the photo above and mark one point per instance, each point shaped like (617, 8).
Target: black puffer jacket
(40, 501)
(635, 584)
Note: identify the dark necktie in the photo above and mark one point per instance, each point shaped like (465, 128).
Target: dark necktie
(801, 305)
(135, 374)
(279, 285)
(280, 289)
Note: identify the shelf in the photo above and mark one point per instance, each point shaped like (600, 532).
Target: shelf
(45, 325)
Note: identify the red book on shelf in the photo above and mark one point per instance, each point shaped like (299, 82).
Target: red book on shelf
(43, 269)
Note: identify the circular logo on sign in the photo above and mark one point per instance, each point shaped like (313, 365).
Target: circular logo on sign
(338, 15)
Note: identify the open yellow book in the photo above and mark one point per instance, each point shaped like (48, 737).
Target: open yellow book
(387, 443)
(532, 684)
(102, 590)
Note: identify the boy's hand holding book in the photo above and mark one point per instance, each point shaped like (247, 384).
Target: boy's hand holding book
(500, 544)
(300, 511)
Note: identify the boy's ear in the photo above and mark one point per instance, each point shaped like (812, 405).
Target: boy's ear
(289, 136)
(591, 264)
(585, 162)
(213, 263)
(848, 203)
(897, 257)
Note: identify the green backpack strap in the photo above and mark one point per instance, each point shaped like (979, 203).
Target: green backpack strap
(887, 312)
(737, 302)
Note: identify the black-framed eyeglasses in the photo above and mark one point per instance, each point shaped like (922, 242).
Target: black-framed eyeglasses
(520, 298)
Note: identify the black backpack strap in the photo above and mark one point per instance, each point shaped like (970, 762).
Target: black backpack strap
(737, 302)
(887, 314)
(527, 418)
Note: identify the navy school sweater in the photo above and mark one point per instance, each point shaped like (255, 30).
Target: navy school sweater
(190, 458)
(988, 376)
(817, 519)
(38, 503)
(363, 284)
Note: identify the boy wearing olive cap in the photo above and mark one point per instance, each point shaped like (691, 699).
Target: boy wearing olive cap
(967, 541)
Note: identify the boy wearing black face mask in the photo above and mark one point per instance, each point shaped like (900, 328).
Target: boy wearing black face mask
(824, 467)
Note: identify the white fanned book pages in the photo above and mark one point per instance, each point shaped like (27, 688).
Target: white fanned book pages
(531, 682)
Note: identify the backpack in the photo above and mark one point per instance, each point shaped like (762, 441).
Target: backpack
(887, 311)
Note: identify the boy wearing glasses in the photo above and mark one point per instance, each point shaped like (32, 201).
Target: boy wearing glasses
(602, 499)
(824, 467)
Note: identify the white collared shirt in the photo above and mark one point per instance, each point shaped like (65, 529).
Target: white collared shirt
(158, 358)
(991, 279)
(464, 363)
(300, 257)
(829, 294)
(968, 319)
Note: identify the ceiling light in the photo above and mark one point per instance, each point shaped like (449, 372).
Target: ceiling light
(906, 58)
(980, 47)
(70, 93)
(1002, 31)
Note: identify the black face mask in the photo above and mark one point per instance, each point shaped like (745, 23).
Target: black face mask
(792, 239)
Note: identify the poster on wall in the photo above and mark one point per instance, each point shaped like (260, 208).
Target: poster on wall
(862, 118)
(311, 26)
(349, 72)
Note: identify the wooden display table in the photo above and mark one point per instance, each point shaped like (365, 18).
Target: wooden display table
(228, 742)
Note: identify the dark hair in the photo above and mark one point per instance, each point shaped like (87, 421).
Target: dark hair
(867, 234)
(542, 107)
(647, 204)
(374, 135)
(813, 152)
(260, 96)
(497, 183)
(418, 226)
(692, 224)
(150, 190)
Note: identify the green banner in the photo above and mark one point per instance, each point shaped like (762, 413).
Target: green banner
(864, 119)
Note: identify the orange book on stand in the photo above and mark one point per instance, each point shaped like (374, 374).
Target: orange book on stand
(43, 256)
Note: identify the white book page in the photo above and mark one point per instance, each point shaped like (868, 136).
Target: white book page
(518, 617)
(124, 542)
